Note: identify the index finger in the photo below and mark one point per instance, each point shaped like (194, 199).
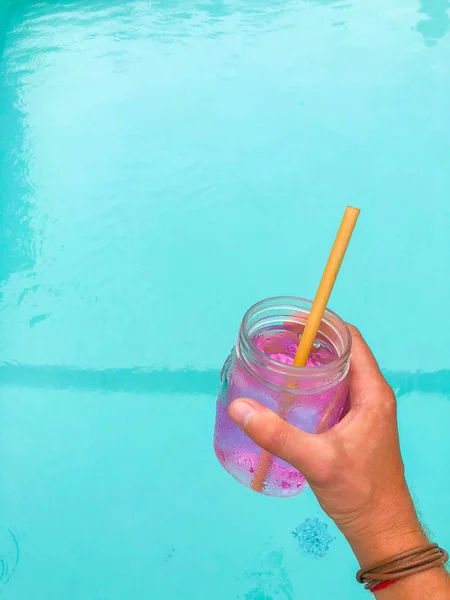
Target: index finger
(365, 373)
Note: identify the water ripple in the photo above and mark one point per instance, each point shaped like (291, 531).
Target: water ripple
(9, 558)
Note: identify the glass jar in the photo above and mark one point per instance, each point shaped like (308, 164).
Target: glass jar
(311, 398)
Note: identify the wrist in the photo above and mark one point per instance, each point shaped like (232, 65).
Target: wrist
(385, 530)
(382, 545)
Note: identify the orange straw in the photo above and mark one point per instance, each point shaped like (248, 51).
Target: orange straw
(314, 320)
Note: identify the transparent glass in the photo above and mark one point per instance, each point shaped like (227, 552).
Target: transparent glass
(311, 398)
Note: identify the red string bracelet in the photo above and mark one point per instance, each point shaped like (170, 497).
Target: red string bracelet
(382, 585)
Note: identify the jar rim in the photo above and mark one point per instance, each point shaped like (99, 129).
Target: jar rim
(292, 302)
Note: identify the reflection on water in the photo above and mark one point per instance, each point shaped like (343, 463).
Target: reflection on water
(17, 243)
(71, 21)
(124, 120)
(436, 21)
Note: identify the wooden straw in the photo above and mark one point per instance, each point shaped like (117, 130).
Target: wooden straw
(314, 319)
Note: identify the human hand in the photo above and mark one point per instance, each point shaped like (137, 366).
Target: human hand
(355, 469)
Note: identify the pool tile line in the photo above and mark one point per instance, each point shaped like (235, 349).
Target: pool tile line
(180, 381)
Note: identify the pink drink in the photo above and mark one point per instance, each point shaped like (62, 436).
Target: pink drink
(260, 367)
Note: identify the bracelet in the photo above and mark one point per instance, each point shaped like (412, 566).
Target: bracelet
(391, 570)
(382, 585)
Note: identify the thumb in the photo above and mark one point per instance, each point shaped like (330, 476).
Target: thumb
(304, 451)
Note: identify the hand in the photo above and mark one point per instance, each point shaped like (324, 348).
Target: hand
(355, 469)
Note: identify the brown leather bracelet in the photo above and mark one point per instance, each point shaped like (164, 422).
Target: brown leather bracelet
(403, 565)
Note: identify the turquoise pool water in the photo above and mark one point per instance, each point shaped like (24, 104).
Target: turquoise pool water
(164, 165)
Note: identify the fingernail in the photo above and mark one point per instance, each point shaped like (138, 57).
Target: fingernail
(241, 412)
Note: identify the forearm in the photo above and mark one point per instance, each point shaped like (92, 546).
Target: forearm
(392, 531)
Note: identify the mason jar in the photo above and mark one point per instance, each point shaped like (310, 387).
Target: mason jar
(260, 367)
